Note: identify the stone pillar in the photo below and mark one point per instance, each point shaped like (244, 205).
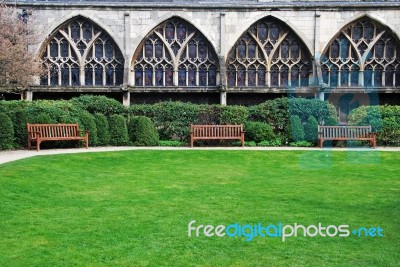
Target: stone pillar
(222, 69)
(27, 96)
(223, 96)
(321, 96)
(317, 57)
(126, 99)
(127, 48)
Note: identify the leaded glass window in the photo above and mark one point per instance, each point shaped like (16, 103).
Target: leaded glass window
(364, 53)
(175, 54)
(269, 54)
(81, 53)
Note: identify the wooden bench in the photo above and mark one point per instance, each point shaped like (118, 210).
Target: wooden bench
(37, 133)
(346, 133)
(216, 132)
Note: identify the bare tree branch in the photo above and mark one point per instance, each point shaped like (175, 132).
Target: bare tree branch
(18, 66)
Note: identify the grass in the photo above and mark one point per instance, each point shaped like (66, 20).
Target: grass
(132, 208)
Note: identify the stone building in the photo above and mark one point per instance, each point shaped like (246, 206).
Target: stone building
(223, 51)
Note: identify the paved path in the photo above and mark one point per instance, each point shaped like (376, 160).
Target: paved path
(12, 155)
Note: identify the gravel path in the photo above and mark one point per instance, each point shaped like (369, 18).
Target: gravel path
(12, 155)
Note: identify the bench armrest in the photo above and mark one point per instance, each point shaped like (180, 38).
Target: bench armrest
(84, 131)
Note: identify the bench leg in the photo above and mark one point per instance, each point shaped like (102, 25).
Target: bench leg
(321, 141)
(191, 142)
(38, 145)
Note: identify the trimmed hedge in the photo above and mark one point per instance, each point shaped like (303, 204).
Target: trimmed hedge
(297, 129)
(172, 119)
(87, 122)
(118, 130)
(103, 129)
(234, 115)
(6, 132)
(258, 131)
(385, 120)
(99, 104)
(142, 132)
(311, 130)
(277, 113)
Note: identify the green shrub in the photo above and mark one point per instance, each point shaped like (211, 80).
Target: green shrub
(249, 143)
(385, 120)
(275, 142)
(142, 132)
(296, 129)
(311, 130)
(277, 113)
(304, 108)
(118, 130)
(301, 144)
(6, 132)
(274, 112)
(173, 143)
(87, 122)
(258, 131)
(330, 121)
(209, 114)
(173, 119)
(103, 131)
(234, 115)
(20, 118)
(99, 104)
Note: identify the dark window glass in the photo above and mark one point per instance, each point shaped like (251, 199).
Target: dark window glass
(98, 76)
(88, 76)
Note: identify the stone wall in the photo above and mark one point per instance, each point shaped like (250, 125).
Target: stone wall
(221, 22)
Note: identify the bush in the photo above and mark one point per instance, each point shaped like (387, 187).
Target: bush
(209, 114)
(300, 144)
(172, 119)
(6, 132)
(118, 130)
(385, 120)
(99, 104)
(20, 118)
(234, 115)
(173, 143)
(311, 130)
(86, 122)
(258, 131)
(297, 129)
(103, 131)
(304, 108)
(276, 142)
(249, 143)
(142, 132)
(277, 113)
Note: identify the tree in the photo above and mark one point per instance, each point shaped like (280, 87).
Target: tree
(18, 66)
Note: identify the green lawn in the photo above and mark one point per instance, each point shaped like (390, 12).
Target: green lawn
(132, 208)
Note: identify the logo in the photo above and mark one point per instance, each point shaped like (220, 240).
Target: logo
(251, 231)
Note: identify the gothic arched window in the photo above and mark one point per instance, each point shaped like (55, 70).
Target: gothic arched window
(81, 53)
(364, 53)
(175, 54)
(269, 54)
